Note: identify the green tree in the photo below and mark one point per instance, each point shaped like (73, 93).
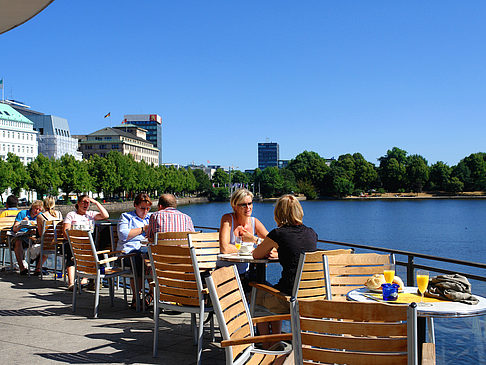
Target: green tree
(5, 176)
(417, 171)
(472, 171)
(365, 176)
(19, 177)
(44, 177)
(392, 170)
(220, 178)
(289, 185)
(272, 182)
(311, 168)
(440, 176)
(74, 175)
(103, 172)
(203, 184)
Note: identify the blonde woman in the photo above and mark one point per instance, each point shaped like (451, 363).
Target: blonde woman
(240, 224)
(48, 214)
(291, 238)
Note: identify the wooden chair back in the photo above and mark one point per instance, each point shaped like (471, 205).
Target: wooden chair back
(350, 271)
(84, 251)
(353, 332)
(49, 235)
(231, 309)
(310, 282)
(6, 224)
(174, 267)
(206, 247)
(166, 237)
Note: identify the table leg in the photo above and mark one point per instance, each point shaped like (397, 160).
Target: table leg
(261, 272)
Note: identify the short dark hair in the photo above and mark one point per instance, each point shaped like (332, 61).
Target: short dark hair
(12, 201)
(168, 200)
(142, 198)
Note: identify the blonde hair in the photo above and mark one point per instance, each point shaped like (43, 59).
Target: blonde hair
(49, 204)
(288, 211)
(238, 197)
(37, 203)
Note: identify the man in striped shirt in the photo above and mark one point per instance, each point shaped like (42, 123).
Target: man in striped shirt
(168, 218)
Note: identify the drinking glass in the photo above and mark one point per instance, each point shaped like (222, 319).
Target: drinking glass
(422, 283)
(389, 273)
(238, 242)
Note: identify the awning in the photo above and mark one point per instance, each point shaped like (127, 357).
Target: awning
(16, 12)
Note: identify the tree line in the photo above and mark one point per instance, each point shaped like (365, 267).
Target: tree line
(119, 176)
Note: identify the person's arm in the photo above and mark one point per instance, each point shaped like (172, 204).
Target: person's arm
(265, 248)
(150, 233)
(260, 232)
(40, 224)
(16, 226)
(225, 234)
(65, 227)
(103, 213)
(124, 232)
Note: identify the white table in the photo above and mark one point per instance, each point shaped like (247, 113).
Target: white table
(260, 264)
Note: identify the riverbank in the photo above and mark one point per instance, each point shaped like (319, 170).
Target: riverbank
(465, 195)
(128, 205)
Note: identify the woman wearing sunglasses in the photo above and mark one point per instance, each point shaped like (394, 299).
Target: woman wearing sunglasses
(240, 225)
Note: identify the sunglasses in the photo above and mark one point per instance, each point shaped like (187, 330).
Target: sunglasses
(243, 205)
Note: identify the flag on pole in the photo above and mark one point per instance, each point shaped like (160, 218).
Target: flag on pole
(1, 84)
(107, 115)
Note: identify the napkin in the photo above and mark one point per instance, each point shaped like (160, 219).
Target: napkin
(453, 287)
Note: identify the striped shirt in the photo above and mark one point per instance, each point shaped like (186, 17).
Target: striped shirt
(169, 220)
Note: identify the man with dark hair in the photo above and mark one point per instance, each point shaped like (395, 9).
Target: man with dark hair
(168, 218)
(11, 207)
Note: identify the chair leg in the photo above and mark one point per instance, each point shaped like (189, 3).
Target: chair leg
(125, 288)
(430, 329)
(156, 328)
(200, 334)
(75, 289)
(194, 328)
(97, 296)
(112, 291)
(211, 322)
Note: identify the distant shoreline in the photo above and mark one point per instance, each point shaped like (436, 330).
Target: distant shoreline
(394, 196)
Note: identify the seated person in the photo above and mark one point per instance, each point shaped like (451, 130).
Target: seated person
(240, 224)
(131, 230)
(168, 218)
(291, 238)
(22, 242)
(11, 209)
(80, 216)
(48, 214)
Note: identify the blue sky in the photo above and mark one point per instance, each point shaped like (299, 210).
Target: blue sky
(333, 77)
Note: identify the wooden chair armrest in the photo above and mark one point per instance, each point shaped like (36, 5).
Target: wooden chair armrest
(102, 252)
(270, 290)
(277, 317)
(257, 339)
(110, 259)
(428, 354)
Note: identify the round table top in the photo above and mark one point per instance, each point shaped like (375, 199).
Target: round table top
(235, 257)
(436, 309)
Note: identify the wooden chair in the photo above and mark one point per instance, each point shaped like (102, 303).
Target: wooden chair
(60, 240)
(207, 249)
(350, 271)
(309, 282)
(236, 324)
(178, 286)
(49, 243)
(355, 333)
(87, 265)
(6, 224)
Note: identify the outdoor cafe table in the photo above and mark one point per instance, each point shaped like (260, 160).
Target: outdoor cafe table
(260, 264)
(438, 309)
(11, 236)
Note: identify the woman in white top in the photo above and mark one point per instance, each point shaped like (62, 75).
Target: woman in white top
(49, 214)
(240, 223)
(80, 216)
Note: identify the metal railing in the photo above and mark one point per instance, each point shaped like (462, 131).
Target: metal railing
(410, 264)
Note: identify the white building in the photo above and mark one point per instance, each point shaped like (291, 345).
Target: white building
(17, 135)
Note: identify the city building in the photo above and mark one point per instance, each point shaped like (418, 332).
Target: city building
(17, 135)
(152, 123)
(206, 169)
(125, 138)
(54, 137)
(268, 155)
(283, 163)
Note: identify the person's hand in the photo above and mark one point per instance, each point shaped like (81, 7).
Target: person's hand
(92, 200)
(273, 254)
(247, 236)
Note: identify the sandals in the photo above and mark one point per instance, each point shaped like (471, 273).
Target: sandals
(149, 299)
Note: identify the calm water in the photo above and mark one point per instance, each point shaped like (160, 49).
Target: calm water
(447, 228)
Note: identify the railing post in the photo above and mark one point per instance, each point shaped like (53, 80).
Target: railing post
(410, 273)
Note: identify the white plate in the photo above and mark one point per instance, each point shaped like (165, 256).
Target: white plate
(245, 254)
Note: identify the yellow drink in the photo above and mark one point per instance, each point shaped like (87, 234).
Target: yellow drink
(238, 246)
(389, 275)
(422, 282)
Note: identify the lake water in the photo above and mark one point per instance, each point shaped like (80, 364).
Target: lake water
(447, 228)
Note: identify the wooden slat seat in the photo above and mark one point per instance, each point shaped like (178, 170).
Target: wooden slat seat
(6, 224)
(207, 249)
(49, 243)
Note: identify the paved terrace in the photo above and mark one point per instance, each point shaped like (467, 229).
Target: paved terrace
(37, 326)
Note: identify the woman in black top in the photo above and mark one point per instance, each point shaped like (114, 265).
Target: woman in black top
(290, 239)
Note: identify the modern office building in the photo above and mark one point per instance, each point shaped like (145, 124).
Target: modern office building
(268, 155)
(54, 137)
(152, 123)
(125, 138)
(17, 134)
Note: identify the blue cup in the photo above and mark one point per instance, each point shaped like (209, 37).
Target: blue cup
(390, 292)
(102, 269)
